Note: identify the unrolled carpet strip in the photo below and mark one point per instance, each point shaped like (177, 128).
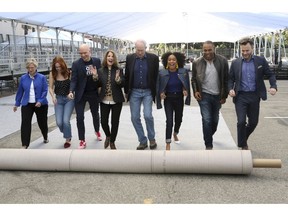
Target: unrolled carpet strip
(133, 161)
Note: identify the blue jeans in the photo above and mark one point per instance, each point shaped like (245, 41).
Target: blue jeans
(137, 97)
(63, 112)
(247, 106)
(209, 106)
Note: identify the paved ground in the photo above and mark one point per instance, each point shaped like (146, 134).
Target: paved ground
(263, 186)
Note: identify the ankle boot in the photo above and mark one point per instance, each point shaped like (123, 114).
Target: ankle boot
(112, 145)
(106, 143)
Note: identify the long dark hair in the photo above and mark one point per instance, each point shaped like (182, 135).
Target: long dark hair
(115, 63)
(65, 72)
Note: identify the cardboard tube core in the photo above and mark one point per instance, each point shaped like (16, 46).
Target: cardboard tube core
(267, 163)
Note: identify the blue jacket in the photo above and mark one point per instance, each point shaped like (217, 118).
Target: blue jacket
(40, 88)
(261, 69)
(163, 79)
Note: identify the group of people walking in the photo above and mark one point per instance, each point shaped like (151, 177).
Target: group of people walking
(105, 86)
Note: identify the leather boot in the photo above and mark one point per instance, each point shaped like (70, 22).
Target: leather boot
(112, 145)
(106, 143)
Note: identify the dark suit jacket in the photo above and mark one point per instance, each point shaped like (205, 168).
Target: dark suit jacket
(117, 92)
(79, 77)
(261, 69)
(153, 70)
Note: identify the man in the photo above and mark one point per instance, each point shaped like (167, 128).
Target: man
(247, 87)
(210, 87)
(85, 90)
(141, 73)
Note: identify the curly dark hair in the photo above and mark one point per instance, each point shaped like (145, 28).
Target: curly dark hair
(179, 56)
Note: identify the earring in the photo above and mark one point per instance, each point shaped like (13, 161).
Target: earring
(176, 66)
(167, 67)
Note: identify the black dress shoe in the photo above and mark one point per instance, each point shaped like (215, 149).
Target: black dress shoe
(142, 146)
(245, 148)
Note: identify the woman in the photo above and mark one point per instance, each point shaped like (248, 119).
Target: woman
(111, 80)
(59, 85)
(173, 84)
(32, 95)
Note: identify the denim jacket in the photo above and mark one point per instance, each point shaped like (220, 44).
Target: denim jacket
(163, 79)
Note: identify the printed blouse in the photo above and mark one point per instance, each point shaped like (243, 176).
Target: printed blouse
(62, 87)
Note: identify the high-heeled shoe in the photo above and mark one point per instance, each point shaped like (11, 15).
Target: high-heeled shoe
(167, 146)
(176, 139)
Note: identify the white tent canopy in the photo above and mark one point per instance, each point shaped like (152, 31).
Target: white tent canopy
(158, 27)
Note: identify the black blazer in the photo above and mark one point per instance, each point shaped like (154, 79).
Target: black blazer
(79, 77)
(261, 69)
(117, 92)
(153, 70)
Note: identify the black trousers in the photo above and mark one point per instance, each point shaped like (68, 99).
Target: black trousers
(27, 115)
(92, 99)
(105, 112)
(173, 105)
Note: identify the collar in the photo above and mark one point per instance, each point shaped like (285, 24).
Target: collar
(32, 77)
(252, 58)
(144, 57)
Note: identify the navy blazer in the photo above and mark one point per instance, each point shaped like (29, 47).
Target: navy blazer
(79, 77)
(261, 69)
(153, 70)
(163, 79)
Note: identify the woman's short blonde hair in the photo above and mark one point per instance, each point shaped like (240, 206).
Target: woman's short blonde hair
(31, 61)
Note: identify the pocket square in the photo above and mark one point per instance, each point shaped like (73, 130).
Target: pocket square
(260, 66)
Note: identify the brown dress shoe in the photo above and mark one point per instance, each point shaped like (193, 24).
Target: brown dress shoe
(106, 143)
(112, 145)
